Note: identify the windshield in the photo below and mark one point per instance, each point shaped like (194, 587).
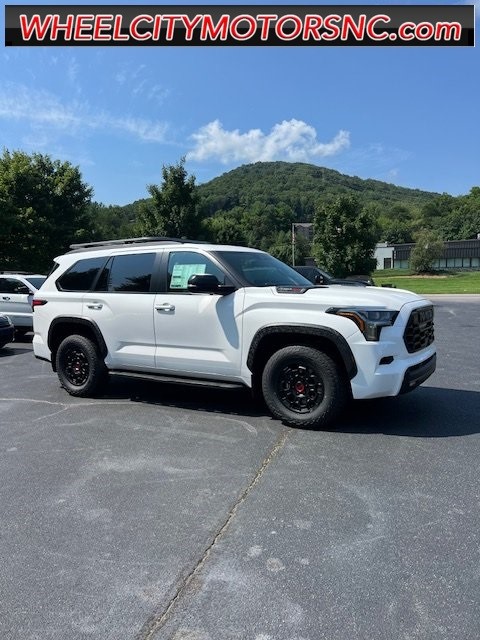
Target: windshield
(36, 282)
(261, 269)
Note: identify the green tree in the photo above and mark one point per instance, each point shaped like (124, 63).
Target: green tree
(223, 228)
(434, 214)
(463, 222)
(396, 224)
(44, 208)
(112, 222)
(173, 211)
(428, 248)
(345, 235)
(281, 247)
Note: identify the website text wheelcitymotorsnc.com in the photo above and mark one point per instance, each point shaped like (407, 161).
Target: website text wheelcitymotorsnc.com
(447, 25)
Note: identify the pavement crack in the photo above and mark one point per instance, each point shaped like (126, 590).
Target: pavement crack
(156, 621)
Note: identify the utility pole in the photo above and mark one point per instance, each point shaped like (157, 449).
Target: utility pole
(293, 244)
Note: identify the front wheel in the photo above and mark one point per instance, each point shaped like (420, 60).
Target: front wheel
(304, 387)
(80, 369)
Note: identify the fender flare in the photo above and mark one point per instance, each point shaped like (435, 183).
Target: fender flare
(91, 324)
(326, 333)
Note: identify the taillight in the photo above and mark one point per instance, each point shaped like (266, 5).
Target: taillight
(36, 302)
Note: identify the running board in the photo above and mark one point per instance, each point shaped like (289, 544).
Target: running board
(178, 380)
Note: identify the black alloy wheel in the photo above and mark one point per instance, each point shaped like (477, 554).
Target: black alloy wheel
(76, 366)
(80, 368)
(304, 387)
(300, 389)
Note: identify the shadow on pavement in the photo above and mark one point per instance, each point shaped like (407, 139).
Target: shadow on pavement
(236, 402)
(11, 349)
(427, 412)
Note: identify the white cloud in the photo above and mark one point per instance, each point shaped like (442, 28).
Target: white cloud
(291, 140)
(141, 83)
(45, 113)
(72, 71)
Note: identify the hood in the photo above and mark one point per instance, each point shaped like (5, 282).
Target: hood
(341, 296)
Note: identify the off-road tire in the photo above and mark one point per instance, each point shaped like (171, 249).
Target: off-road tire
(80, 368)
(304, 387)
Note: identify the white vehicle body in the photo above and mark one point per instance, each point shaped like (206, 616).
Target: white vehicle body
(16, 294)
(169, 330)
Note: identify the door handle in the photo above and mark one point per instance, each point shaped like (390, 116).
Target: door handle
(95, 306)
(5, 298)
(166, 306)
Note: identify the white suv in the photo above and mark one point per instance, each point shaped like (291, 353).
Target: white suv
(224, 316)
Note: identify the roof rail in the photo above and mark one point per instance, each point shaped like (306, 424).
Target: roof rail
(18, 273)
(126, 241)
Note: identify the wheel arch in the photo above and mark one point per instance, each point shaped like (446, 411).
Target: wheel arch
(65, 326)
(269, 339)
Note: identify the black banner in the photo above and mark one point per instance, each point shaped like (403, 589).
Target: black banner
(239, 25)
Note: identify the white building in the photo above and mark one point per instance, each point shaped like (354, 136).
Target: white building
(384, 255)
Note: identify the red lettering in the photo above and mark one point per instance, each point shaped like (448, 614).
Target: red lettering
(349, 24)
(81, 26)
(296, 30)
(333, 30)
(211, 31)
(35, 27)
(57, 26)
(252, 27)
(424, 31)
(190, 25)
(171, 25)
(117, 29)
(157, 27)
(372, 34)
(266, 20)
(312, 27)
(98, 27)
(134, 27)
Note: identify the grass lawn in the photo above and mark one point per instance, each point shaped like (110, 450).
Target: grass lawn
(445, 282)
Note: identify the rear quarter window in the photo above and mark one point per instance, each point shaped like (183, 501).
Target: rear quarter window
(81, 276)
(127, 274)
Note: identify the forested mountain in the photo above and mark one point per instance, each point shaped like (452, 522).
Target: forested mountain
(256, 205)
(301, 187)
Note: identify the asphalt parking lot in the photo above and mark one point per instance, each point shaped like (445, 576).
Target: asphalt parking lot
(169, 513)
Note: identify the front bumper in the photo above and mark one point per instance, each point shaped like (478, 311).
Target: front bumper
(417, 374)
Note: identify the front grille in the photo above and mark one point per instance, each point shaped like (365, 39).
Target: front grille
(419, 330)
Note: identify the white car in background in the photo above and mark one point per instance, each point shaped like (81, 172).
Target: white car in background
(16, 294)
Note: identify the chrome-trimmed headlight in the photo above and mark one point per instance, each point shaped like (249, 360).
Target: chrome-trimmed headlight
(368, 319)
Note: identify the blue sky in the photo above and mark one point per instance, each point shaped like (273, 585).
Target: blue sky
(409, 116)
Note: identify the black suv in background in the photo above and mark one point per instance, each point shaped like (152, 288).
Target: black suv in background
(320, 276)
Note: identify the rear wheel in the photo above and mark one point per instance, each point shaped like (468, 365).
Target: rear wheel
(304, 387)
(80, 369)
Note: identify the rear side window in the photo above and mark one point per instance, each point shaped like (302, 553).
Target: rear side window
(127, 274)
(9, 285)
(35, 281)
(81, 276)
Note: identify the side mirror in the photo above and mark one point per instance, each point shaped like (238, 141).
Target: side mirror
(207, 283)
(318, 279)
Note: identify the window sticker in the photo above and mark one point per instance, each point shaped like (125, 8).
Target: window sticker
(182, 272)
